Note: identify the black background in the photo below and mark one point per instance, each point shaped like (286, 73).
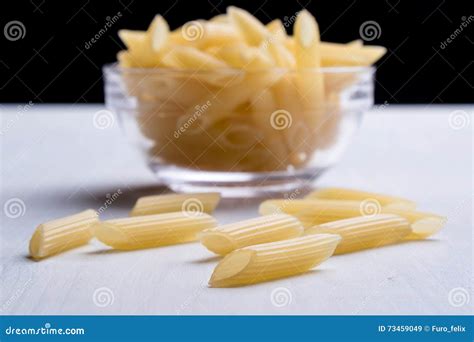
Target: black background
(51, 63)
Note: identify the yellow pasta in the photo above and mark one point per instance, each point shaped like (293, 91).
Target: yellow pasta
(311, 212)
(276, 28)
(159, 33)
(308, 62)
(152, 230)
(187, 57)
(365, 231)
(356, 195)
(273, 260)
(253, 31)
(224, 239)
(422, 224)
(192, 202)
(62, 234)
(333, 55)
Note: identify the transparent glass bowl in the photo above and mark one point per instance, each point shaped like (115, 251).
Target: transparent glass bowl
(241, 133)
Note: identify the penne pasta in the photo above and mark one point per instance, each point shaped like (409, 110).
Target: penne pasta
(422, 224)
(152, 230)
(251, 29)
(158, 33)
(356, 195)
(224, 239)
(273, 260)
(311, 212)
(277, 29)
(333, 55)
(62, 234)
(186, 57)
(191, 202)
(365, 231)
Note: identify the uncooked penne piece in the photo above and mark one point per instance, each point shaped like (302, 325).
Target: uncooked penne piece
(277, 29)
(312, 211)
(365, 231)
(204, 202)
(308, 61)
(356, 195)
(187, 57)
(251, 29)
(273, 260)
(153, 230)
(226, 238)
(422, 224)
(62, 234)
(158, 33)
(333, 55)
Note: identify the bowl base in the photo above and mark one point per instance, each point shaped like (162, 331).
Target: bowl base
(237, 184)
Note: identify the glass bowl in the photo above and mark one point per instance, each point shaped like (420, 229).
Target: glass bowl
(243, 133)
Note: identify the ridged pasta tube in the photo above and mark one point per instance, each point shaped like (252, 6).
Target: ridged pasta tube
(356, 195)
(153, 230)
(226, 238)
(423, 224)
(62, 234)
(365, 231)
(312, 211)
(273, 260)
(195, 202)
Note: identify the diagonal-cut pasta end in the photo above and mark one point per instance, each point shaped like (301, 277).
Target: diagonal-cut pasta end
(269, 208)
(230, 266)
(426, 227)
(110, 235)
(35, 247)
(217, 242)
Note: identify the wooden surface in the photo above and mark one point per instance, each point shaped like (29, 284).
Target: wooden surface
(57, 163)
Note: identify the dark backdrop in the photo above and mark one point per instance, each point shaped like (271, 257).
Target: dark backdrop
(48, 61)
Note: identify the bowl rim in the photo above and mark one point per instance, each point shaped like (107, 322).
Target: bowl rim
(116, 68)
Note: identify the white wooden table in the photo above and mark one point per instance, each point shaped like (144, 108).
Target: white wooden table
(56, 162)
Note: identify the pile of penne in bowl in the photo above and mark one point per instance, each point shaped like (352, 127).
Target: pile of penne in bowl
(290, 237)
(232, 94)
